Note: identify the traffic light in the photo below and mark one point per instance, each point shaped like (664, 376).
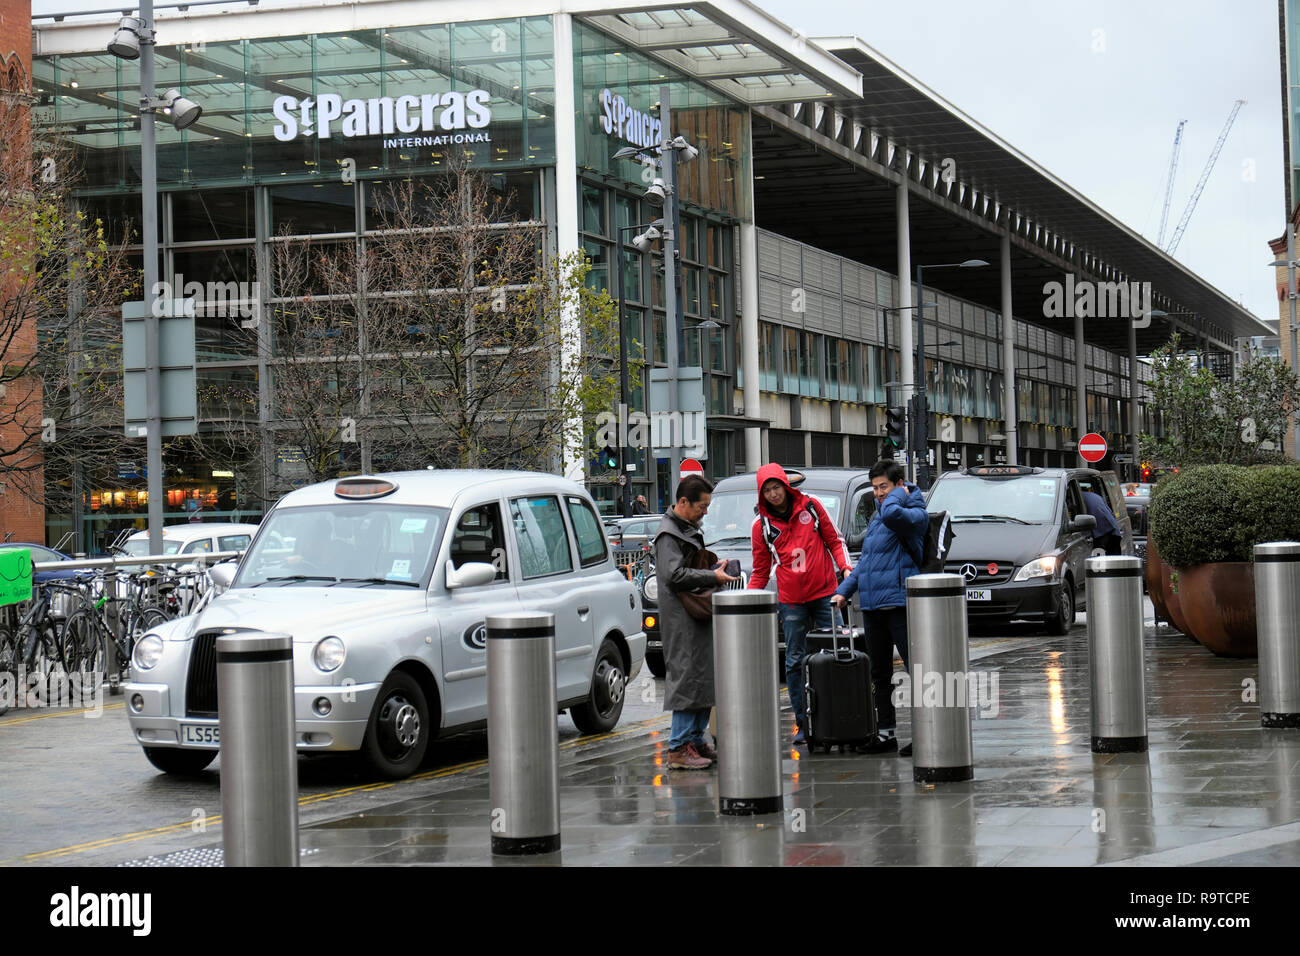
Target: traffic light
(895, 427)
(1146, 471)
(609, 458)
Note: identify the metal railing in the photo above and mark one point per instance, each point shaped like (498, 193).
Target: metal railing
(198, 557)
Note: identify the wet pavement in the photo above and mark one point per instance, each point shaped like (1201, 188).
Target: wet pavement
(1213, 789)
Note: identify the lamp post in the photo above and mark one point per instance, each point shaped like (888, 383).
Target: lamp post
(646, 237)
(135, 39)
(922, 467)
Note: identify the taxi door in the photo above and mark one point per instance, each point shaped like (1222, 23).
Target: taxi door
(548, 582)
(1077, 544)
(478, 534)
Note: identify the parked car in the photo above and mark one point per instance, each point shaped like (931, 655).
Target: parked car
(845, 493)
(1021, 536)
(193, 538)
(1137, 506)
(384, 583)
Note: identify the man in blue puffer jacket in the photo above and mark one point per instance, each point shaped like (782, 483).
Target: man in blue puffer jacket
(893, 545)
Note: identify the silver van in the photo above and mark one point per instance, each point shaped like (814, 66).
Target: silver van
(384, 582)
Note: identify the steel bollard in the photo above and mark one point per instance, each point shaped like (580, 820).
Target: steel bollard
(259, 756)
(1115, 656)
(749, 718)
(1277, 613)
(937, 652)
(523, 739)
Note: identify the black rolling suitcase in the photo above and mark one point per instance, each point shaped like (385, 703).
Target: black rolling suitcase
(838, 705)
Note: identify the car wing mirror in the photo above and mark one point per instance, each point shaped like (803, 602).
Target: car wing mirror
(1083, 523)
(854, 541)
(471, 574)
(223, 575)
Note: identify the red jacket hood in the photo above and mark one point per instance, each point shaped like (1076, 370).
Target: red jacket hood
(767, 473)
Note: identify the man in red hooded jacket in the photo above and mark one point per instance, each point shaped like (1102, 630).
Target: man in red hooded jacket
(794, 533)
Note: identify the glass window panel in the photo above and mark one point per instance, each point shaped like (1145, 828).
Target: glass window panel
(541, 536)
(199, 216)
(593, 210)
(312, 208)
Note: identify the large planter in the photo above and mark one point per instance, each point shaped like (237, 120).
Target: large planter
(1156, 574)
(1218, 603)
(1173, 604)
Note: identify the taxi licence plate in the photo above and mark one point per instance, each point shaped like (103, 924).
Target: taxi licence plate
(200, 734)
(978, 594)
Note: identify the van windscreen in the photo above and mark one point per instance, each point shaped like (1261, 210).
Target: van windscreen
(1031, 499)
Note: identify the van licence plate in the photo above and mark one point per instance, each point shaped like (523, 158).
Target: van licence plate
(978, 594)
(200, 734)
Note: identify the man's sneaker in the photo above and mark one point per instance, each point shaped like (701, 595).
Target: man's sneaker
(705, 750)
(879, 744)
(905, 751)
(686, 757)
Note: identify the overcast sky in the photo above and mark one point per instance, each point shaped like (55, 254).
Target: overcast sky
(1092, 90)
(1103, 120)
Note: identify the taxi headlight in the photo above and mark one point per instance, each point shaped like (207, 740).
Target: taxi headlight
(650, 589)
(329, 654)
(147, 652)
(1043, 567)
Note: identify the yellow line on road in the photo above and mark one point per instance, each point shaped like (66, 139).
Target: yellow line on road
(316, 798)
(61, 713)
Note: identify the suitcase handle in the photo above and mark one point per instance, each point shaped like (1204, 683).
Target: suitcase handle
(841, 653)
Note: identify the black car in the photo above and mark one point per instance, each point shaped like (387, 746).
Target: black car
(1022, 535)
(845, 493)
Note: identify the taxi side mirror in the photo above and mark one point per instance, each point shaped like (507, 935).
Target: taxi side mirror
(222, 575)
(471, 574)
(1083, 523)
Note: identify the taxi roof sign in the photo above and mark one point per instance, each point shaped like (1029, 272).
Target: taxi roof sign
(1002, 471)
(362, 489)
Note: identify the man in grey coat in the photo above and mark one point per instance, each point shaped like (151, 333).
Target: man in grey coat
(688, 643)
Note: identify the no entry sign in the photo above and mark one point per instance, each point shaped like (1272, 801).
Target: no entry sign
(690, 466)
(1092, 447)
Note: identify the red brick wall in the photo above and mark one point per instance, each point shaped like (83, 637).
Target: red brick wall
(19, 513)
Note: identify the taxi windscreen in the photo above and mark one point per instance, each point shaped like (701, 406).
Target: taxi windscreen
(1030, 499)
(372, 544)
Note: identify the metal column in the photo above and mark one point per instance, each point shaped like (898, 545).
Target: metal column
(1134, 383)
(1080, 378)
(1115, 656)
(904, 237)
(523, 737)
(259, 756)
(1011, 413)
(938, 652)
(748, 691)
(1277, 609)
(749, 343)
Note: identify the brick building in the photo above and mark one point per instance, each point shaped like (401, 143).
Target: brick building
(21, 511)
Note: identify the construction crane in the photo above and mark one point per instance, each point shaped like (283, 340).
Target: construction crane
(1169, 187)
(1205, 174)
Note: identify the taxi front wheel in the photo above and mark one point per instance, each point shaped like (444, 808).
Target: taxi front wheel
(182, 763)
(604, 705)
(398, 733)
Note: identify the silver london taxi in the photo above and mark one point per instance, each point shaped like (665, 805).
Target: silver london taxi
(384, 582)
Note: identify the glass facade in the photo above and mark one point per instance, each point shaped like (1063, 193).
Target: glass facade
(325, 107)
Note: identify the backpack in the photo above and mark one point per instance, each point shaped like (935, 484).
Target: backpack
(936, 544)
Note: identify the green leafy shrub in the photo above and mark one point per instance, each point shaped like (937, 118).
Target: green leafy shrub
(1220, 512)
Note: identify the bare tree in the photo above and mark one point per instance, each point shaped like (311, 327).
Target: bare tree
(438, 340)
(62, 287)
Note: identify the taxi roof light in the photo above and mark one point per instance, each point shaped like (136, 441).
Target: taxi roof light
(363, 488)
(1003, 471)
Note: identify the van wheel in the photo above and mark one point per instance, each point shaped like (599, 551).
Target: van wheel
(604, 705)
(182, 763)
(1059, 623)
(398, 733)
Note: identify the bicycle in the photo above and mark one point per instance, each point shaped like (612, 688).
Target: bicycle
(88, 636)
(39, 648)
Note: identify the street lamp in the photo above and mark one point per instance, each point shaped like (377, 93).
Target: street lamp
(922, 468)
(642, 243)
(135, 39)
